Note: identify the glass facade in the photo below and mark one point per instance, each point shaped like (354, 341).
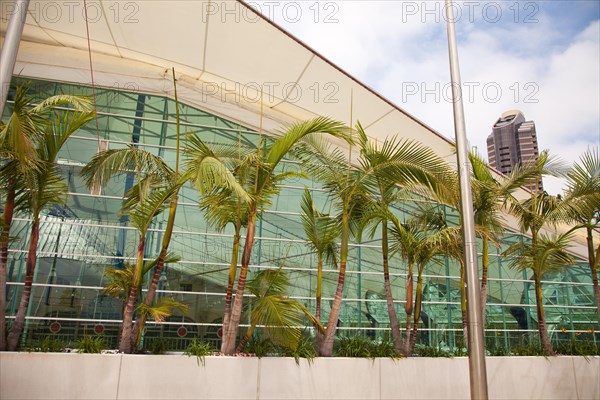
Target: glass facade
(87, 235)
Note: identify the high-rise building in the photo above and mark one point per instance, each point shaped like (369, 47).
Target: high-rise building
(512, 141)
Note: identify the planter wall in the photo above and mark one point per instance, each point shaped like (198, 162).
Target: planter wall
(91, 376)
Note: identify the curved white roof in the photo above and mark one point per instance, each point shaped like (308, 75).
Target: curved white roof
(226, 57)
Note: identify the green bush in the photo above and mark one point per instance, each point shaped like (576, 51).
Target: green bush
(385, 349)
(578, 348)
(306, 349)
(426, 351)
(355, 346)
(157, 345)
(48, 345)
(259, 346)
(200, 350)
(90, 344)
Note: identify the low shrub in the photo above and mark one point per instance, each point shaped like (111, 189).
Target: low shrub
(200, 350)
(90, 344)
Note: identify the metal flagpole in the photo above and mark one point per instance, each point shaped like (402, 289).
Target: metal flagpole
(8, 57)
(477, 370)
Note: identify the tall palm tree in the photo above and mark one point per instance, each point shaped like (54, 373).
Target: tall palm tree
(490, 196)
(19, 138)
(225, 204)
(119, 287)
(345, 185)
(141, 213)
(583, 195)
(272, 308)
(412, 241)
(446, 240)
(351, 187)
(157, 186)
(321, 232)
(539, 210)
(159, 311)
(384, 192)
(43, 186)
(263, 182)
(170, 190)
(544, 255)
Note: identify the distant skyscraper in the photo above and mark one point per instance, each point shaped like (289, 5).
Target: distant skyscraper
(512, 141)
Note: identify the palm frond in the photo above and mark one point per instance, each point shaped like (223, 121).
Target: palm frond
(209, 171)
(120, 280)
(292, 135)
(548, 255)
(106, 164)
(169, 259)
(163, 308)
(320, 229)
(583, 183)
(60, 127)
(143, 212)
(79, 103)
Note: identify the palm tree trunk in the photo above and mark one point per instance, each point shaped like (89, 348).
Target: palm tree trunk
(319, 335)
(127, 326)
(19, 322)
(485, 262)
(408, 307)
(245, 339)
(232, 274)
(593, 263)
(228, 344)
(418, 302)
(9, 208)
(160, 265)
(544, 339)
(463, 307)
(326, 349)
(394, 324)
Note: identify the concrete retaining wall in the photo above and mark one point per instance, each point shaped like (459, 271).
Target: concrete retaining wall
(91, 376)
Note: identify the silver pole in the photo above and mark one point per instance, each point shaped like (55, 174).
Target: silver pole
(477, 370)
(10, 47)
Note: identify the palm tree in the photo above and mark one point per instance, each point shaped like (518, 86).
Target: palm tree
(489, 198)
(412, 164)
(384, 193)
(413, 242)
(544, 253)
(171, 196)
(345, 185)
(159, 311)
(262, 183)
(321, 232)
(157, 186)
(43, 186)
(446, 240)
(547, 254)
(226, 203)
(141, 213)
(119, 287)
(19, 138)
(280, 315)
(583, 195)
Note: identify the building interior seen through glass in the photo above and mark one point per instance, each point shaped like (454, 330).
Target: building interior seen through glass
(87, 235)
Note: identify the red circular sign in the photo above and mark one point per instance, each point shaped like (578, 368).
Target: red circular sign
(55, 327)
(99, 329)
(220, 333)
(181, 331)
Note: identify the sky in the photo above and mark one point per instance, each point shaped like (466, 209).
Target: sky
(540, 57)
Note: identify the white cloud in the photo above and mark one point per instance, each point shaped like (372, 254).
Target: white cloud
(551, 74)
